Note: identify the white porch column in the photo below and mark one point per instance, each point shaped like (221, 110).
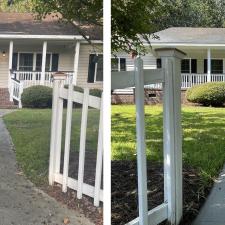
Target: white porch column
(44, 52)
(10, 68)
(76, 61)
(209, 65)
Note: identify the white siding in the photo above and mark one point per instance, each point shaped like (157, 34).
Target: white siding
(4, 68)
(149, 61)
(85, 51)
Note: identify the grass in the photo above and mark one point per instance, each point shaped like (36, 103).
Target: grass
(203, 136)
(30, 132)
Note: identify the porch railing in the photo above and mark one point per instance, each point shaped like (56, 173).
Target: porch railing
(189, 80)
(32, 78)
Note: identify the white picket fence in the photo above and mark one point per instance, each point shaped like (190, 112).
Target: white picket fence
(170, 78)
(59, 94)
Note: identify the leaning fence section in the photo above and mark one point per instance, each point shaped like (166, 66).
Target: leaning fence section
(170, 79)
(60, 93)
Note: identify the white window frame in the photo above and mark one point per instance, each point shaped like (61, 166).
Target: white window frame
(96, 68)
(119, 63)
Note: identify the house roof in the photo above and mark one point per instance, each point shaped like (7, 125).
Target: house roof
(26, 24)
(190, 35)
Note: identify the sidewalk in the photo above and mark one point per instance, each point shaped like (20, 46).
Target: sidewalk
(21, 203)
(213, 211)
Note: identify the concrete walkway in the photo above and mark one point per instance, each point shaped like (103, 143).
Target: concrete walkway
(213, 211)
(20, 202)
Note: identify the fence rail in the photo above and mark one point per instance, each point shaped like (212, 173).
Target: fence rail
(59, 95)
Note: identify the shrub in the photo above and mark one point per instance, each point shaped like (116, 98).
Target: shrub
(96, 92)
(208, 94)
(37, 97)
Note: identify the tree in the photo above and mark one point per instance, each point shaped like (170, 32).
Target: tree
(136, 21)
(132, 23)
(79, 13)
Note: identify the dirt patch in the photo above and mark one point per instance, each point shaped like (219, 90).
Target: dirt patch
(124, 191)
(85, 205)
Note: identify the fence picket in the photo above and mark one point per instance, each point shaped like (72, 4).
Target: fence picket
(59, 135)
(98, 170)
(67, 136)
(83, 132)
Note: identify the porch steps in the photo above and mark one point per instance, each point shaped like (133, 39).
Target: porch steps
(4, 100)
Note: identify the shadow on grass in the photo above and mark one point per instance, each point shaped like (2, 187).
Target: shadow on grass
(203, 136)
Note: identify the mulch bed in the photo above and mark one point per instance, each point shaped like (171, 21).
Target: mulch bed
(124, 191)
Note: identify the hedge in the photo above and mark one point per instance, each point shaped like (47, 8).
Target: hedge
(37, 97)
(208, 94)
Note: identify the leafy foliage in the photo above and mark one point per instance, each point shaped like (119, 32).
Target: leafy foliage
(207, 94)
(136, 21)
(37, 97)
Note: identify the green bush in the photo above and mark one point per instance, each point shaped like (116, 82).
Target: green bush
(208, 94)
(96, 92)
(37, 97)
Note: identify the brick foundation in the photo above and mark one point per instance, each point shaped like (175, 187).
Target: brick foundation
(152, 96)
(5, 99)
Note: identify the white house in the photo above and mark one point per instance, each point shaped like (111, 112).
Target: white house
(204, 61)
(31, 50)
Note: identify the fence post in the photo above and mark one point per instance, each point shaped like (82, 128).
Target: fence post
(140, 134)
(172, 133)
(57, 80)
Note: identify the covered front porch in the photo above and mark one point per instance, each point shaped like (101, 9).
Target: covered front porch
(202, 65)
(30, 61)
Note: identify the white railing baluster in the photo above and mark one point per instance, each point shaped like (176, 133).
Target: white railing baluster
(83, 132)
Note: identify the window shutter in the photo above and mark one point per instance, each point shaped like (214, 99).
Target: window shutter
(91, 68)
(122, 64)
(193, 65)
(14, 61)
(38, 62)
(158, 63)
(55, 62)
(205, 66)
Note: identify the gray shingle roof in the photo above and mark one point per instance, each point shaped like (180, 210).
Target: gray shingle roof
(25, 23)
(191, 35)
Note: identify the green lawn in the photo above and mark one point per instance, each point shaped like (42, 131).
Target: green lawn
(30, 132)
(203, 136)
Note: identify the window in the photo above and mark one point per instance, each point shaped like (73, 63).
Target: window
(216, 66)
(158, 63)
(95, 69)
(14, 61)
(118, 64)
(26, 62)
(55, 62)
(189, 66)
